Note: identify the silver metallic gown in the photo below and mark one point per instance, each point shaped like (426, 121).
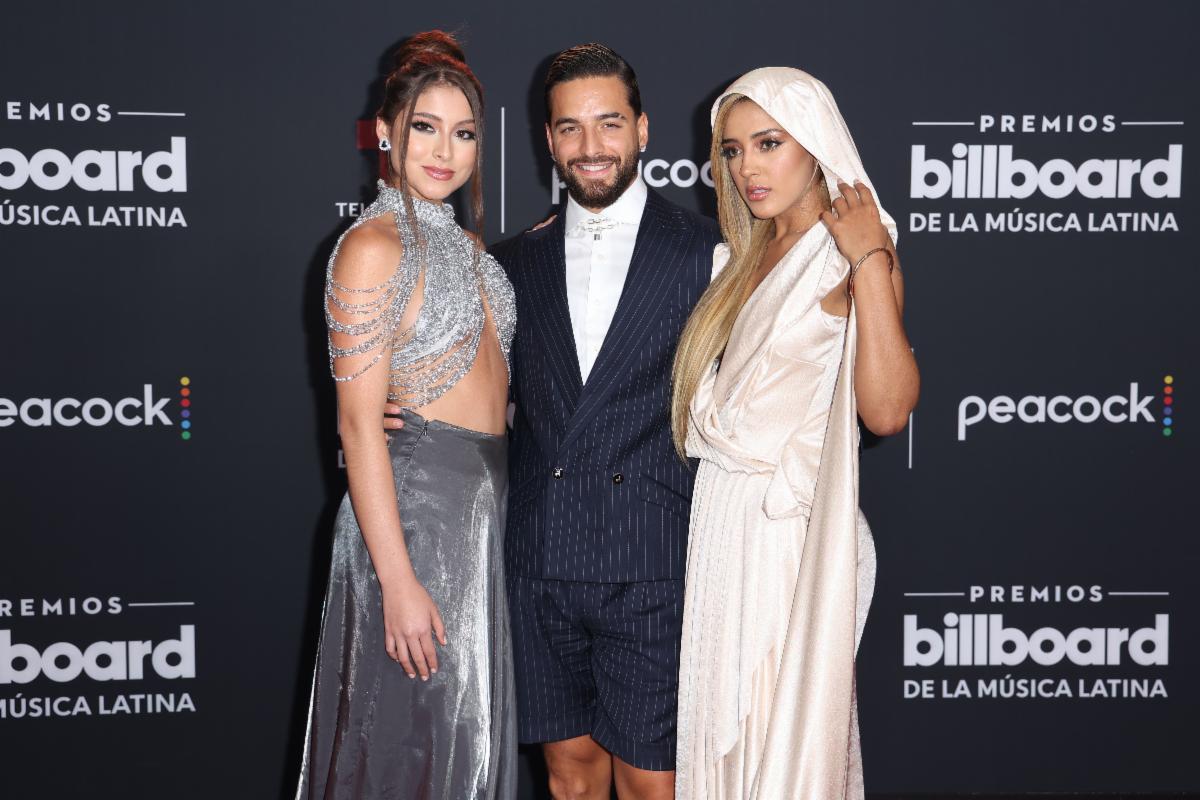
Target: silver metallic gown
(373, 732)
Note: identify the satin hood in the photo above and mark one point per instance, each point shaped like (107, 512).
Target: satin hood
(805, 108)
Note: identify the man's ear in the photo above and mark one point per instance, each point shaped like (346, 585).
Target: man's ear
(549, 140)
(643, 129)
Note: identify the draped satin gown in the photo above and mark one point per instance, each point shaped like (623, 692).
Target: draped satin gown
(780, 562)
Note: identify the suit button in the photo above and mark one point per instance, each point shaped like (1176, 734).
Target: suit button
(618, 478)
(558, 473)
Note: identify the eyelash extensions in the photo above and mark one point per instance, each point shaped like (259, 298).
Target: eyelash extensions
(731, 152)
(425, 127)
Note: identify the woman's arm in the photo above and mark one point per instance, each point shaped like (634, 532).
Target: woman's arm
(367, 259)
(886, 380)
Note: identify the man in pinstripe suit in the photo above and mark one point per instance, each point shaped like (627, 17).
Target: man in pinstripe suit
(596, 539)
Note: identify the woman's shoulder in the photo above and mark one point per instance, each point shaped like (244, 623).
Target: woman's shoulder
(368, 252)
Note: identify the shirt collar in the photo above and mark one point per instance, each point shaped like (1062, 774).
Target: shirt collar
(627, 209)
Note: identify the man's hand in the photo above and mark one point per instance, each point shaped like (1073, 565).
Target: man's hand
(543, 223)
(391, 423)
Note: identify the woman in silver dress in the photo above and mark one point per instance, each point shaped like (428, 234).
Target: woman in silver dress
(413, 691)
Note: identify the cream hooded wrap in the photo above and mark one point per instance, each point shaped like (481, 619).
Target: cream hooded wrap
(780, 560)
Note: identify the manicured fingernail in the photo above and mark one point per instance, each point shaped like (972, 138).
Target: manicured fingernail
(434, 671)
(424, 677)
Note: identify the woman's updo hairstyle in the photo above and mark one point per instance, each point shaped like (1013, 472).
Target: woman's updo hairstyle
(433, 58)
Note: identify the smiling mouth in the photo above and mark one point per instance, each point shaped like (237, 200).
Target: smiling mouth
(756, 193)
(439, 174)
(593, 169)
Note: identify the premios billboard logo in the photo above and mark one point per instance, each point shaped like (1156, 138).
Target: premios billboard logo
(41, 677)
(147, 408)
(140, 156)
(1035, 641)
(1128, 406)
(1086, 173)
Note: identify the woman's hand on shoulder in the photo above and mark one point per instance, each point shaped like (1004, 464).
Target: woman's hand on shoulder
(854, 222)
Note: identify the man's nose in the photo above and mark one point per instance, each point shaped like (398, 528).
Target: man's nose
(591, 143)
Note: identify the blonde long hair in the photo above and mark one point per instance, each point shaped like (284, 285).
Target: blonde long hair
(707, 330)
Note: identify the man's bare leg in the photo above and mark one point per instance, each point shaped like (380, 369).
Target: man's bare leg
(643, 784)
(579, 769)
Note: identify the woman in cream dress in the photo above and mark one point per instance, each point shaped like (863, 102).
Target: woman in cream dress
(799, 335)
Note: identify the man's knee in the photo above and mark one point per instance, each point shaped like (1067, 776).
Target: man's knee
(642, 784)
(579, 769)
(574, 786)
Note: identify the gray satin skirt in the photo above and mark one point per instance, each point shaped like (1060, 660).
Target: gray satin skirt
(373, 732)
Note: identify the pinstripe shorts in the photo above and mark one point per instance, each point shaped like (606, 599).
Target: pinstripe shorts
(599, 659)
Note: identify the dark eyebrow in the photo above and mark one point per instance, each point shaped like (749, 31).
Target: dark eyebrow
(605, 115)
(468, 121)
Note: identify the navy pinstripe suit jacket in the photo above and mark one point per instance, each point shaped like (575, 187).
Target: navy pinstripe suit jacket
(596, 491)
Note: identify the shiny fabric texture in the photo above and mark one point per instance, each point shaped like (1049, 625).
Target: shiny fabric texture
(373, 732)
(781, 563)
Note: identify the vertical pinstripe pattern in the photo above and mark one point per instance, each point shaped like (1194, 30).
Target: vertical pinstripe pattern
(599, 659)
(589, 524)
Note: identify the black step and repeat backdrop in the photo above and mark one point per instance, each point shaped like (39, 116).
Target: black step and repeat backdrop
(172, 177)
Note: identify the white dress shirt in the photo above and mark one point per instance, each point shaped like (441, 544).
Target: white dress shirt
(599, 248)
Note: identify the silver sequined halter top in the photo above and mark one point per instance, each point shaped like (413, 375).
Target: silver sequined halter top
(438, 349)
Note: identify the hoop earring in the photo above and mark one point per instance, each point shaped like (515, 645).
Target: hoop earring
(385, 145)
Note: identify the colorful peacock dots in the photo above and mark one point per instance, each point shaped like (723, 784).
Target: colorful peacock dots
(1168, 404)
(185, 401)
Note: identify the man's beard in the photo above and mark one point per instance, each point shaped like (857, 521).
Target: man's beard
(594, 194)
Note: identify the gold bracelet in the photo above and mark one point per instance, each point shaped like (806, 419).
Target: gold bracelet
(859, 263)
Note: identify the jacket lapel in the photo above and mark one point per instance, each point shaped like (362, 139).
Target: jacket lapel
(659, 248)
(547, 305)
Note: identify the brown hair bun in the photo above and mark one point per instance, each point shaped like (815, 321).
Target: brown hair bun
(427, 49)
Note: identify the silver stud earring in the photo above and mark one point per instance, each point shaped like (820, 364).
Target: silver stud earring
(385, 145)
(641, 149)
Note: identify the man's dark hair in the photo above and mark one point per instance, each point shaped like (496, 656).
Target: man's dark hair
(592, 61)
